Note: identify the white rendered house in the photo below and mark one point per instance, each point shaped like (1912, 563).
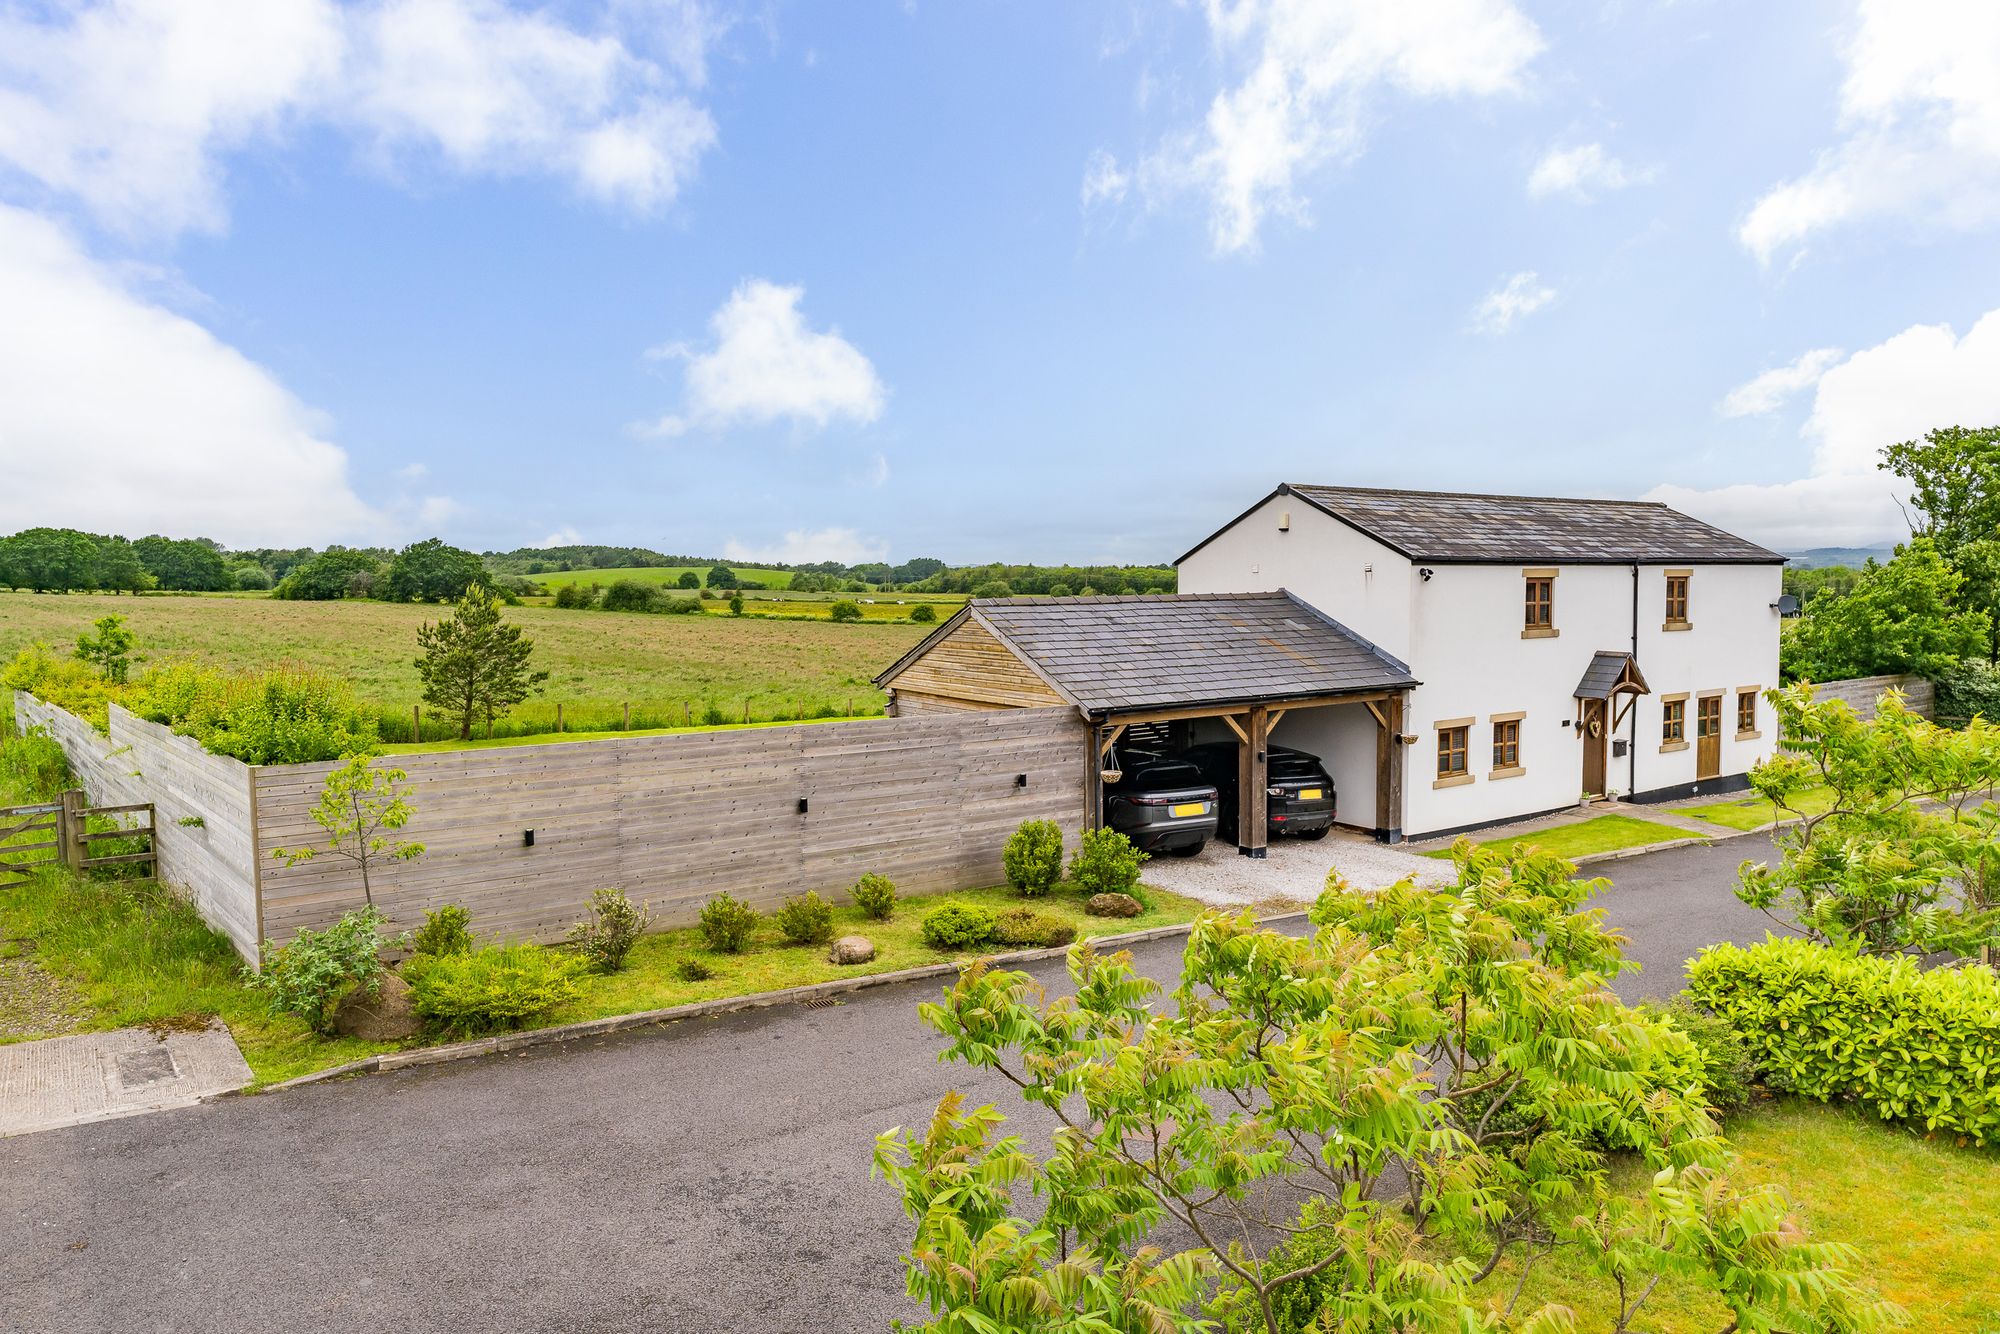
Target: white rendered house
(1561, 647)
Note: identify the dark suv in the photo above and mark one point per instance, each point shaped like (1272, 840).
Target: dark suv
(1299, 794)
(1161, 804)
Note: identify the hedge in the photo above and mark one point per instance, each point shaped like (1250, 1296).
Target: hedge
(1914, 1045)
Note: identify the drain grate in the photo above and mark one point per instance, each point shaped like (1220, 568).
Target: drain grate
(819, 1003)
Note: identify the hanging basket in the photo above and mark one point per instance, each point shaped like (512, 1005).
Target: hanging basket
(1111, 775)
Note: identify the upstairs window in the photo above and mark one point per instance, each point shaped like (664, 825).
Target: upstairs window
(1677, 600)
(1538, 606)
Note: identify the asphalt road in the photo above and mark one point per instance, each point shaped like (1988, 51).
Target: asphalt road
(712, 1175)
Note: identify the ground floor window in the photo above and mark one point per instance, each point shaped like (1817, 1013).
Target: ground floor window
(1673, 722)
(1452, 752)
(1506, 743)
(1746, 711)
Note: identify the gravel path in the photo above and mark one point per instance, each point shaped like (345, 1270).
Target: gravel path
(1294, 870)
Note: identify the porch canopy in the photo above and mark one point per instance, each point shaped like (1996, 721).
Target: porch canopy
(1612, 673)
(1243, 658)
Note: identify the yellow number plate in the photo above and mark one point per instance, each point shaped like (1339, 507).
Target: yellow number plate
(1311, 793)
(1191, 808)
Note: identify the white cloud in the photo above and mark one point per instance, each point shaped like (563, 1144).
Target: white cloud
(1520, 296)
(1921, 110)
(562, 537)
(767, 366)
(1104, 181)
(1303, 79)
(878, 471)
(120, 416)
(1923, 377)
(438, 511)
(1772, 389)
(845, 545)
(130, 105)
(1582, 173)
(414, 472)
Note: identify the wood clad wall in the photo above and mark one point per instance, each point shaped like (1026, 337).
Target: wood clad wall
(928, 801)
(213, 861)
(970, 664)
(1864, 693)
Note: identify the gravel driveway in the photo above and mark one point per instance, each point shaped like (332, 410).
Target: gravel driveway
(1294, 869)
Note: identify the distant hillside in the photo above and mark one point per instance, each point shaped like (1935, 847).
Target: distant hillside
(1819, 558)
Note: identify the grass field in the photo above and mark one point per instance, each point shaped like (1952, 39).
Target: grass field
(598, 661)
(1606, 833)
(1754, 812)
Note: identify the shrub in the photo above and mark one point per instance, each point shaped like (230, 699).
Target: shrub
(612, 929)
(923, 613)
(446, 930)
(1716, 1058)
(307, 976)
(682, 606)
(1033, 857)
(875, 895)
(726, 923)
(33, 766)
(845, 610)
(630, 595)
(1106, 863)
(958, 926)
(66, 682)
(735, 605)
(578, 597)
(1969, 689)
(688, 579)
(1028, 929)
(500, 987)
(283, 716)
(1913, 1045)
(806, 919)
(690, 969)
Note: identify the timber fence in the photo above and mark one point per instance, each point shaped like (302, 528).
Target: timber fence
(1864, 693)
(522, 835)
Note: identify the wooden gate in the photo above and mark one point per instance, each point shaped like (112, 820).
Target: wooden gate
(70, 837)
(19, 860)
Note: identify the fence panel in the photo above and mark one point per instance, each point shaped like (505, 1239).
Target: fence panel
(1864, 693)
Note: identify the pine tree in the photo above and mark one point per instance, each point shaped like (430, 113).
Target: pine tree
(475, 665)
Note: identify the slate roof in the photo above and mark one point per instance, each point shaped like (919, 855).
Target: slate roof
(1603, 674)
(1122, 654)
(1449, 528)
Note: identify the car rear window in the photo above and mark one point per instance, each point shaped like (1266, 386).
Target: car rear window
(1293, 766)
(1169, 775)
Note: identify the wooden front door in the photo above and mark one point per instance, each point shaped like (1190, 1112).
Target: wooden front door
(1594, 727)
(1707, 737)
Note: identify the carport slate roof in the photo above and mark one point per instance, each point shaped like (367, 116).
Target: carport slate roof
(1121, 654)
(1606, 669)
(1450, 528)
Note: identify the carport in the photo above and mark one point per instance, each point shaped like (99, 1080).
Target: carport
(1248, 661)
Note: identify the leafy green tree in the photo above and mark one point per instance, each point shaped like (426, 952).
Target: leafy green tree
(329, 575)
(119, 568)
(736, 605)
(688, 579)
(721, 576)
(475, 665)
(993, 588)
(49, 560)
(432, 571)
(363, 810)
(844, 610)
(110, 649)
(191, 565)
(1905, 857)
(1954, 477)
(1905, 616)
(1438, 1076)
(250, 577)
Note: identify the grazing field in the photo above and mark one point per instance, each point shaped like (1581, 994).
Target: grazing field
(668, 668)
(665, 575)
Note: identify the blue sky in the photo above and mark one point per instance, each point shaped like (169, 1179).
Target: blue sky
(983, 281)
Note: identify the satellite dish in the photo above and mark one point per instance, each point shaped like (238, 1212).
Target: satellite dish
(1786, 605)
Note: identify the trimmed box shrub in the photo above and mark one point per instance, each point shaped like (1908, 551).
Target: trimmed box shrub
(493, 989)
(806, 919)
(1024, 928)
(875, 895)
(726, 923)
(1033, 857)
(958, 926)
(1106, 863)
(1913, 1045)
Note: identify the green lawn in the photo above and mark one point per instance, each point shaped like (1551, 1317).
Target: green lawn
(1604, 833)
(1754, 812)
(1920, 1214)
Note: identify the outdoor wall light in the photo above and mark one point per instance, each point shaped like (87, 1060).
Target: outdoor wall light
(802, 805)
(527, 838)
(1020, 780)
(1426, 571)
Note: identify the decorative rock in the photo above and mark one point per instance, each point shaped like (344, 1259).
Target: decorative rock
(1113, 905)
(852, 949)
(384, 1017)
